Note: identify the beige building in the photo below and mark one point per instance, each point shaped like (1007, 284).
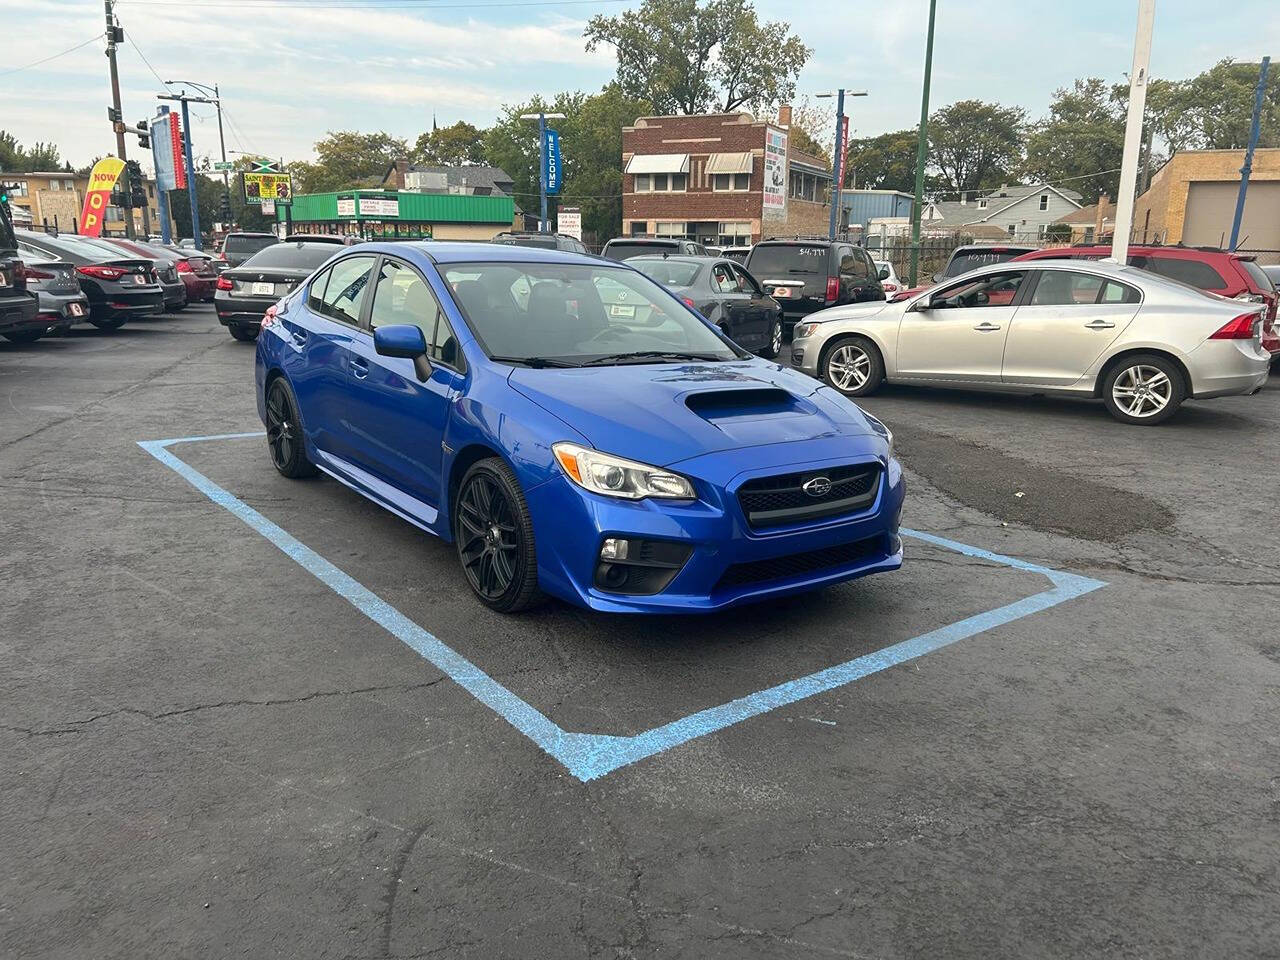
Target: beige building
(55, 199)
(1090, 224)
(1192, 200)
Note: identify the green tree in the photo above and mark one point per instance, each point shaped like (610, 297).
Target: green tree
(1082, 140)
(1214, 110)
(884, 162)
(15, 158)
(347, 159)
(682, 56)
(453, 145)
(975, 144)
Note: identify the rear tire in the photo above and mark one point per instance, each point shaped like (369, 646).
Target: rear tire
(284, 432)
(775, 340)
(853, 366)
(1144, 390)
(242, 333)
(25, 336)
(115, 323)
(493, 532)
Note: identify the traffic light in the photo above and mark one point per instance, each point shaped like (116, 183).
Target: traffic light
(136, 185)
(224, 207)
(144, 135)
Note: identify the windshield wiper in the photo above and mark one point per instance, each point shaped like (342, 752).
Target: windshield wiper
(651, 355)
(537, 362)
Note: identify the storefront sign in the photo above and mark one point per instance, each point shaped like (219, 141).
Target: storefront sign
(267, 186)
(775, 174)
(346, 207)
(569, 222)
(380, 207)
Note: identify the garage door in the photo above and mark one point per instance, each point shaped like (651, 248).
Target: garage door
(1211, 206)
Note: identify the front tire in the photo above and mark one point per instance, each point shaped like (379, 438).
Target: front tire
(853, 366)
(775, 340)
(284, 432)
(242, 333)
(493, 532)
(1144, 390)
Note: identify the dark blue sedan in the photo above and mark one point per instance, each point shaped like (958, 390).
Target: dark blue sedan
(574, 429)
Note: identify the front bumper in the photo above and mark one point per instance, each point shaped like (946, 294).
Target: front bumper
(729, 563)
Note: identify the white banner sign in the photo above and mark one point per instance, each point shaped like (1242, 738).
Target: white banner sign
(379, 207)
(775, 174)
(346, 207)
(569, 222)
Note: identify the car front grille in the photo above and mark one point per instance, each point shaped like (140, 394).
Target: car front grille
(800, 497)
(798, 564)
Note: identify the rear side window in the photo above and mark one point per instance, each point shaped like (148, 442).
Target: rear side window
(344, 294)
(962, 261)
(315, 295)
(624, 251)
(1257, 275)
(780, 259)
(1194, 272)
(1119, 293)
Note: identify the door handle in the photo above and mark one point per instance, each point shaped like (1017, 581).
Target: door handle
(987, 327)
(1099, 325)
(360, 368)
(299, 337)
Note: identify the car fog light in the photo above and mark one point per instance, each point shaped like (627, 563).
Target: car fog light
(613, 549)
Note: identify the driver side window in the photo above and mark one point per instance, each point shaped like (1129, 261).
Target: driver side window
(991, 290)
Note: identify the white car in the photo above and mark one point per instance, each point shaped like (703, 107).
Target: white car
(889, 278)
(1141, 342)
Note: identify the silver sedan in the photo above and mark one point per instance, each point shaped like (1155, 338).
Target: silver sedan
(1140, 342)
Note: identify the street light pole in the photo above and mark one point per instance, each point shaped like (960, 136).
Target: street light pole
(542, 117)
(922, 149)
(837, 165)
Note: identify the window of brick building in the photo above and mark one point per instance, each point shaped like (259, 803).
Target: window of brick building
(730, 182)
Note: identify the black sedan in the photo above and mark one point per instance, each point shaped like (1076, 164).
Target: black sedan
(118, 286)
(724, 293)
(245, 292)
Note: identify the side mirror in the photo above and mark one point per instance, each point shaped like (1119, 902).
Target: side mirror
(884, 273)
(406, 341)
(937, 277)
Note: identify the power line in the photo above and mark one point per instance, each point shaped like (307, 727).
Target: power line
(36, 63)
(350, 5)
(138, 50)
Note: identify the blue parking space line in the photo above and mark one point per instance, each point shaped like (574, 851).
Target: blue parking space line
(589, 756)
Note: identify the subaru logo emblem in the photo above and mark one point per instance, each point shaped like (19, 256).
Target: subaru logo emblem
(817, 487)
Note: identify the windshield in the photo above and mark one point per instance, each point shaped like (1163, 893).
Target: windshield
(302, 256)
(577, 314)
(963, 262)
(625, 251)
(671, 273)
(779, 260)
(238, 243)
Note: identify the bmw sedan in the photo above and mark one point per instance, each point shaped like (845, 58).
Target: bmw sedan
(245, 293)
(1141, 342)
(633, 463)
(724, 293)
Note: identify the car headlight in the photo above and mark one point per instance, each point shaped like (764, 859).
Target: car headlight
(876, 422)
(805, 330)
(618, 477)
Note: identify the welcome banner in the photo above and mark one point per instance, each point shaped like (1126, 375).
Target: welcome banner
(102, 180)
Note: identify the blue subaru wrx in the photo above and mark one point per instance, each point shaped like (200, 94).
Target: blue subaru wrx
(574, 429)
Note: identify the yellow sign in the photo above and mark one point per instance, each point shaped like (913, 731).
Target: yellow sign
(102, 180)
(267, 186)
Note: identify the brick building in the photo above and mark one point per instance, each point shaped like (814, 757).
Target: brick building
(1192, 200)
(724, 179)
(54, 199)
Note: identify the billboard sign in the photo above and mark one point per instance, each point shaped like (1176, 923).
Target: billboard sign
(346, 206)
(379, 207)
(553, 169)
(97, 197)
(775, 174)
(168, 162)
(569, 222)
(267, 186)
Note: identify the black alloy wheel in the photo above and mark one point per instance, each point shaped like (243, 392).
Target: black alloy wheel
(115, 323)
(494, 535)
(284, 432)
(244, 332)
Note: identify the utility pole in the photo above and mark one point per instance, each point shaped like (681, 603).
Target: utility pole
(114, 35)
(1247, 169)
(1138, 82)
(222, 143)
(922, 148)
(542, 117)
(837, 166)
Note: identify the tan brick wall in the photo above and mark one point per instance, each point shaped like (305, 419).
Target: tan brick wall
(804, 219)
(1166, 200)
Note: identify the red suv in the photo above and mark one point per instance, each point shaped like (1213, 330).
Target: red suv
(1215, 271)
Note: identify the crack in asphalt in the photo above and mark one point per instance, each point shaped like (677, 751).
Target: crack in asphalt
(76, 726)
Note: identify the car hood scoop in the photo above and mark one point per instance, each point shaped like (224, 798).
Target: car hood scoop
(664, 413)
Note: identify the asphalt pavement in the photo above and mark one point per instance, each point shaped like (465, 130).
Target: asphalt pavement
(210, 748)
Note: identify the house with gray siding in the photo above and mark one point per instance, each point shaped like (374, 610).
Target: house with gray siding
(1022, 211)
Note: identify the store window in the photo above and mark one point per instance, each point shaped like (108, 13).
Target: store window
(730, 182)
(672, 229)
(735, 234)
(661, 182)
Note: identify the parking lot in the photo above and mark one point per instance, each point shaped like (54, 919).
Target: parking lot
(243, 716)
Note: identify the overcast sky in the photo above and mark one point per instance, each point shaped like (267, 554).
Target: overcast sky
(291, 69)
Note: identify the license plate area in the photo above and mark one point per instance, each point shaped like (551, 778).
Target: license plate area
(627, 310)
(76, 309)
(263, 289)
(782, 292)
